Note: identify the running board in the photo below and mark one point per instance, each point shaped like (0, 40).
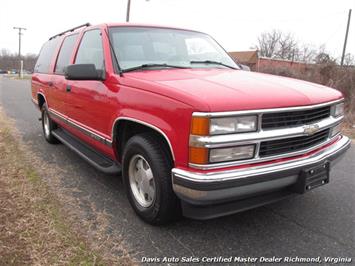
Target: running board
(95, 158)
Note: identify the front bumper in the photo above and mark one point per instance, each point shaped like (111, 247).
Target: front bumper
(212, 194)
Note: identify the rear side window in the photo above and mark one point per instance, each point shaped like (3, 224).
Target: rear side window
(65, 53)
(45, 56)
(90, 50)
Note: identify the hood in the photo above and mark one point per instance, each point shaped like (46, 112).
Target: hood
(217, 90)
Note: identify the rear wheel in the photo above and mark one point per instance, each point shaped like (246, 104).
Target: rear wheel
(48, 126)
(147, 178)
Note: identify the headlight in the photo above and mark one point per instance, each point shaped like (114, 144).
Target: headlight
(339, 109)
(231, 154)
(237, 124)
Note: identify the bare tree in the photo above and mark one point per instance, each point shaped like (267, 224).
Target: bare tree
(307, 53)
(287, 47)
(323, 57)
(268, 43)
(4, 52)
(277, 44)
(349, 60)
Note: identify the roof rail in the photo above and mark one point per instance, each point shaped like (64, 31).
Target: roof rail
(72, 29)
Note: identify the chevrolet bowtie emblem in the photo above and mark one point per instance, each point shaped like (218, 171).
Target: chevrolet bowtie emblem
(310, 129)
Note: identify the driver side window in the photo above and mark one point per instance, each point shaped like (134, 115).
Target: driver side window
(90, 50)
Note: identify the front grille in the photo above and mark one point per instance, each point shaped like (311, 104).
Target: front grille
(294, 118)
(277, 147)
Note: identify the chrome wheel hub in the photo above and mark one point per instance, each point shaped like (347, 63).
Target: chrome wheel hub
(141, 181)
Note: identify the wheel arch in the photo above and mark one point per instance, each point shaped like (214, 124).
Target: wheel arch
(126, 127)
(41, 99)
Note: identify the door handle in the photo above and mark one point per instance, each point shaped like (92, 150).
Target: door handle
(50, 84)
(68, 88)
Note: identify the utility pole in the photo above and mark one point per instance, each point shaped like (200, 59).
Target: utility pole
(346, 38)
(128, 10)
(19, 49)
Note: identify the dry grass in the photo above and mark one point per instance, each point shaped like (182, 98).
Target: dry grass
(349, 131)
(35, 229)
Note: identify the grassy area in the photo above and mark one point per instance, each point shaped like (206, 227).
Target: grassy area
(23, 78)
(34, 228)
(15, 76)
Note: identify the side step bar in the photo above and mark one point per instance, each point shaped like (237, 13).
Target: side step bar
(95, 158)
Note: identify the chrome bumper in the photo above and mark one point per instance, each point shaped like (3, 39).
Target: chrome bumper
(222, 186)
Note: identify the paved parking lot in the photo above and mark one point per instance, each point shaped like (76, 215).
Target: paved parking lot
(320, 223)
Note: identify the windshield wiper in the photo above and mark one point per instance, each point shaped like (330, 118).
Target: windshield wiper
(212, 62)
(151, 65)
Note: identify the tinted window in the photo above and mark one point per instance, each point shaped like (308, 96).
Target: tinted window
(45, 56)
(90, 50)
(65, 54)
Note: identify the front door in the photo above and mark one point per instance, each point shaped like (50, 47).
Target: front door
(86, 99)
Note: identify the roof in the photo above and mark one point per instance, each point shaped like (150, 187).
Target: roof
(129, 24)
(89, 26)
(250, 57)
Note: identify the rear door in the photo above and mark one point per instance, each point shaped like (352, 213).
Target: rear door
(86, 99)
(59, 82)
(42, 77)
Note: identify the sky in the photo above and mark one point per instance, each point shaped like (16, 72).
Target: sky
(235, 24)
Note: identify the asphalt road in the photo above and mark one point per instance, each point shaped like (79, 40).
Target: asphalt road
(320, 223)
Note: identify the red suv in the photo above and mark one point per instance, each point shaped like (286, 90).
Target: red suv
(192, 132)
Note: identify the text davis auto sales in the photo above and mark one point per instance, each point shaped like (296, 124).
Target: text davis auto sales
(220, 259)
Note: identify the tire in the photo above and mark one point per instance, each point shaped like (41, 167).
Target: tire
(48, 126)
(147, 153)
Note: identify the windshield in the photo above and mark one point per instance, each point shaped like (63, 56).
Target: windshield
(137, 46)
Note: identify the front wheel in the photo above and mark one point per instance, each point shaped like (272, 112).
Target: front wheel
(147, 178)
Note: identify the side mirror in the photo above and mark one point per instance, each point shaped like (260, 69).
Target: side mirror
(244, 67)
(83, 72)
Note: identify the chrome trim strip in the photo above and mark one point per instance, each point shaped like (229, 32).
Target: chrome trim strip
(57, 114)
(216, 141)
(229, 140)
(221, 176)
(89, 133)
(260, 119)
(85, 131)
(257, 159)
(145, 124)
(258, 111)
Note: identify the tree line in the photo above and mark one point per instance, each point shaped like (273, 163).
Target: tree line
(280, 45)
(9, 61)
